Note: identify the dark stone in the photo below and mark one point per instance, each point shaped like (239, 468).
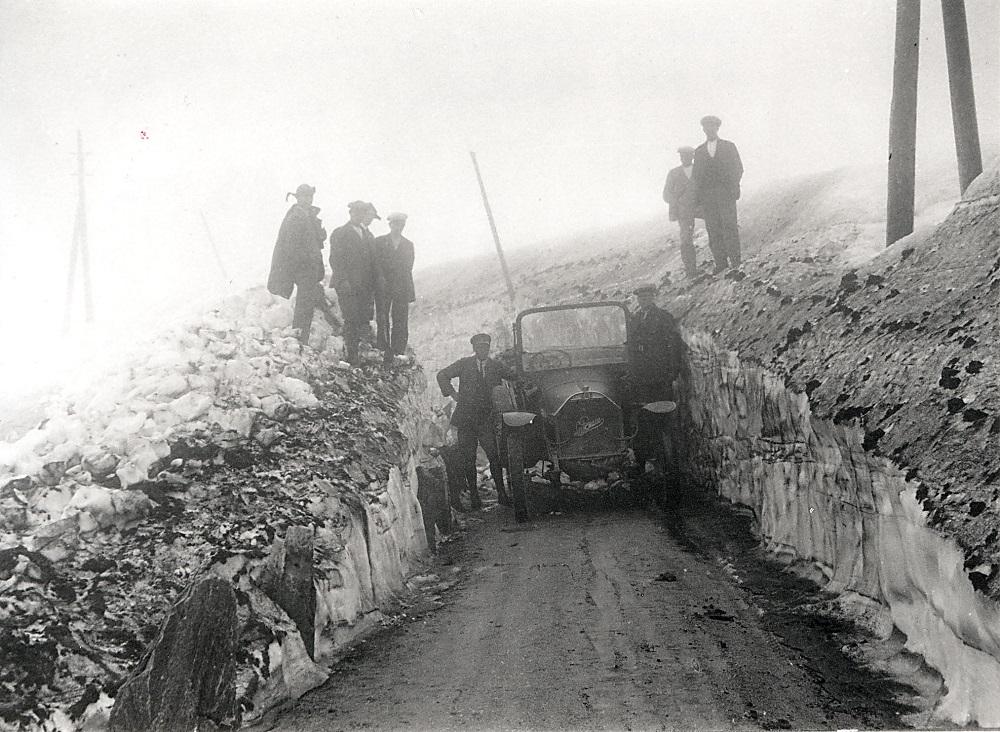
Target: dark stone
(872, 438)
(432, 494)
(974, 367)
(969, 342)
(812, 385)
(874, 280)
(949, 378)
(289, 582)
(955, 405)
(98, 564)
(976, 508)
(188, 676)
(237, 457)
(974, 415)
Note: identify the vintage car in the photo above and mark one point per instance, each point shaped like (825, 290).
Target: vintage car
(569, 404)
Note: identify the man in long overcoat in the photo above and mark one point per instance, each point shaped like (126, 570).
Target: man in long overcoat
(657, 359)
(297, 261)
(352, 261)
(678, 193)
(473, 416)
(394, 262)
(716, 177)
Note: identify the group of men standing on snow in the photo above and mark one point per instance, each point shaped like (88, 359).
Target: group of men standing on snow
(373, 276)
(706, 185)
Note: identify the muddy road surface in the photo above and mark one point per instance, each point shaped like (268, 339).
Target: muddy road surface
(607, 619)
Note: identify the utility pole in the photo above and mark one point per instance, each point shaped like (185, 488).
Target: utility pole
(215, 249)
(493, 228)
(903, 122)
(79, 248)
(963, 98)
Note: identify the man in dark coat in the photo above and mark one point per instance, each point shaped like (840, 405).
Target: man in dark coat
(678, 192)
(352, 261)
(716, 178)
(394, 263)
(656, 352)
(297, 261)
(473, 416)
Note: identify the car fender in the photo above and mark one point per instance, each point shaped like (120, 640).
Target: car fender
(664, 407)
(518, 419)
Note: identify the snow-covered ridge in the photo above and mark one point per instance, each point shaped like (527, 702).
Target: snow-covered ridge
(214, 374)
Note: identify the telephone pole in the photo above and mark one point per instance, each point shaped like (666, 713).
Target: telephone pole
(963, 98)
(79, 248)
(903, 122)
(493, 228)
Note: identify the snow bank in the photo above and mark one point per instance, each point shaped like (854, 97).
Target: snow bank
(820, 497)
(198, 458)
(215, 374)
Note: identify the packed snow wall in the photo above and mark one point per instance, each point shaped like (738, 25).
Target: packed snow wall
(856, 414)
(820, 497)
(227, 453)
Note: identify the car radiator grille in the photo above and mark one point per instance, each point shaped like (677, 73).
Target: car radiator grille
(589, 426)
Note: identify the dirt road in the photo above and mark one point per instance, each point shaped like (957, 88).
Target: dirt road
(630, 619)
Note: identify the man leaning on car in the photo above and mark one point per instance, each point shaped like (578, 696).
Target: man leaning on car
(473, 415)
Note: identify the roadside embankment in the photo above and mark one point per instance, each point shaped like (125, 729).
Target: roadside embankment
(195, 537)
(850, 395)
(857, 413)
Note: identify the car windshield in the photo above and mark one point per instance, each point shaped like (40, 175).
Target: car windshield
(591, 327)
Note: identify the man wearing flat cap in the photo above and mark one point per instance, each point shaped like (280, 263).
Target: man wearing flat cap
(297, 261)
(716, 178)
(678, 192)
(656, 353)
(352, 260)
(394, 265)
(473, 416)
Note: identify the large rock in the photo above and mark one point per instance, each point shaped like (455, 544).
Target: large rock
(287, 578)
(188, 675)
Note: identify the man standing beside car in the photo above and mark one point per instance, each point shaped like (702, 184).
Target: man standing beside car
(473, 416)
(657, 359)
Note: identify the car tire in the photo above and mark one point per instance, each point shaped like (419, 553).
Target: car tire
(515, 476)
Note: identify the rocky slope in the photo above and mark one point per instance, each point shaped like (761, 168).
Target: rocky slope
(203, 460)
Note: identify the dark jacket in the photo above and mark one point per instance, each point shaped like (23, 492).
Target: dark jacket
(297, 257)
(352, 262)
(656, 347)
(718, 178)
(395, 268)
(475, 394)
(678, 192)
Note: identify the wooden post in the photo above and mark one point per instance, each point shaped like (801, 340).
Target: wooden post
(493, 228)
(963, 98)
(79, 247)
(903, 122)
(215, 249)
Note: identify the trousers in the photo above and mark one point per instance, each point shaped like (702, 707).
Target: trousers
(469, 438)
(687, 246)
(354, 309)
(723, 230)
(392, 319)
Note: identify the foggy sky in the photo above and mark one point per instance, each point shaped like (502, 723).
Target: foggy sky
(217, 109)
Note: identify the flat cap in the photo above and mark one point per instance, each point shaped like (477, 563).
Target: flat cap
(711, 119)
(685, 149)
(645, 288)
(396, 216)
(481, 338)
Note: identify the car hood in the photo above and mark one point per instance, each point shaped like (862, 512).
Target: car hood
(558, 386)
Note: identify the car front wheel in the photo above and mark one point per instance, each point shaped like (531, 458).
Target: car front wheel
(515, 475)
